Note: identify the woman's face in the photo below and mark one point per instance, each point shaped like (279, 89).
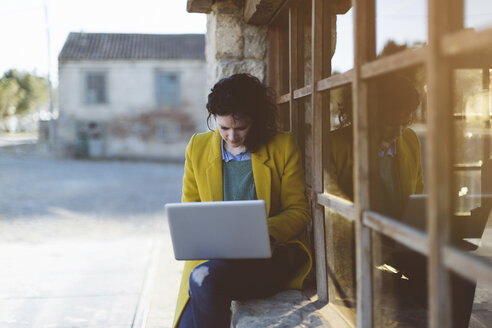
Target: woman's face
(392, 129)
(233, 131)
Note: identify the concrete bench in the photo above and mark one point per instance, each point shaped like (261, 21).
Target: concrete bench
(287, 309)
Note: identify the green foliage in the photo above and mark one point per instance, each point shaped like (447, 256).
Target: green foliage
(21, 93)
(341, 103)
(10, 95)
(392, 47)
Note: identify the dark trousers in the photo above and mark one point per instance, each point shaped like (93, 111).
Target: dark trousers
(215, 283)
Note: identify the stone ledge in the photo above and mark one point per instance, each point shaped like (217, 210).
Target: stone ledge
(286, 309)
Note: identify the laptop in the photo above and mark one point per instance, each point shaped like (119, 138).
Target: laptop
(415, 212)
(219, 230)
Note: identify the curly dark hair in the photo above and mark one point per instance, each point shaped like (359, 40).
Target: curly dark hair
(396, 94)
(245, 96)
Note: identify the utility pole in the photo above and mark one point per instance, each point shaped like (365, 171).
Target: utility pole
(52, 130)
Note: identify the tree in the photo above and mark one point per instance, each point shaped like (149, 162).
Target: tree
(21, 93)
(10, 96)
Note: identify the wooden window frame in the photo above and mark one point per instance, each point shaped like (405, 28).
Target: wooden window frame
(447, 42)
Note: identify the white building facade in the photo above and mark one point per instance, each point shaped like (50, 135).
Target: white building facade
(131, 95)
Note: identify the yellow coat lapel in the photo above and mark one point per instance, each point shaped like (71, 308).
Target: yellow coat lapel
(262, 175)
(405, 169)
(214, 171)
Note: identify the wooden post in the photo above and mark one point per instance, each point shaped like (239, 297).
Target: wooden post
(329, 10)
(364, 51)
(317, 140)
(293, 70)
(486, 137)
(273, 54)
(445, 16)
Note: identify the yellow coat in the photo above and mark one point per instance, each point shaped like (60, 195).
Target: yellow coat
(342, 163)
(279, 180)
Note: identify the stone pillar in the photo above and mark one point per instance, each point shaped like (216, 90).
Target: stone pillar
(232, 46)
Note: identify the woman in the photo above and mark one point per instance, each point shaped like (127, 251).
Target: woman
(244, 158)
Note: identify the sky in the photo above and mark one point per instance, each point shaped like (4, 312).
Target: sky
(23, 36)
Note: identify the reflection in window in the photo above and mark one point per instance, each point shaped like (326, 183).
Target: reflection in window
(402, 22)
(470, 227)
(340, 232)
(340, 107)
(472, 128)
(397, 138)
(399, 284)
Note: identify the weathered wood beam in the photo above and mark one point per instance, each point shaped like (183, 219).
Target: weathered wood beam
(444, 17)
(199, 6)
(342, 6)
(364, 51)
(259, 12)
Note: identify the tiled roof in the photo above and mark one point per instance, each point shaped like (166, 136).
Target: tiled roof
(106, 46)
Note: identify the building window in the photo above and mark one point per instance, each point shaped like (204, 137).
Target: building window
(168, 91)
(95, 87)
(168, 130)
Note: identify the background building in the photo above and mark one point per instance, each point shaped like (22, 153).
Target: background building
(131, 95)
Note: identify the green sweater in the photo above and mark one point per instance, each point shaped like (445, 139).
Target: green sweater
(237, 177)
(391, 195)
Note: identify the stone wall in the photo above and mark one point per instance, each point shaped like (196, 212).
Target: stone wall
(232, 46)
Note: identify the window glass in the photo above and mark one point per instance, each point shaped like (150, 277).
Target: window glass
(398, 137)
(340, 233)
(470, 226)
(400, 24)
(472, 114)
(340, 252)
(340, 107)
(168, 89)
(96, 88)
(340, 160)
(399, 284)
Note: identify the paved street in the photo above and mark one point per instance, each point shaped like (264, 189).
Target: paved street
(81, 242)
